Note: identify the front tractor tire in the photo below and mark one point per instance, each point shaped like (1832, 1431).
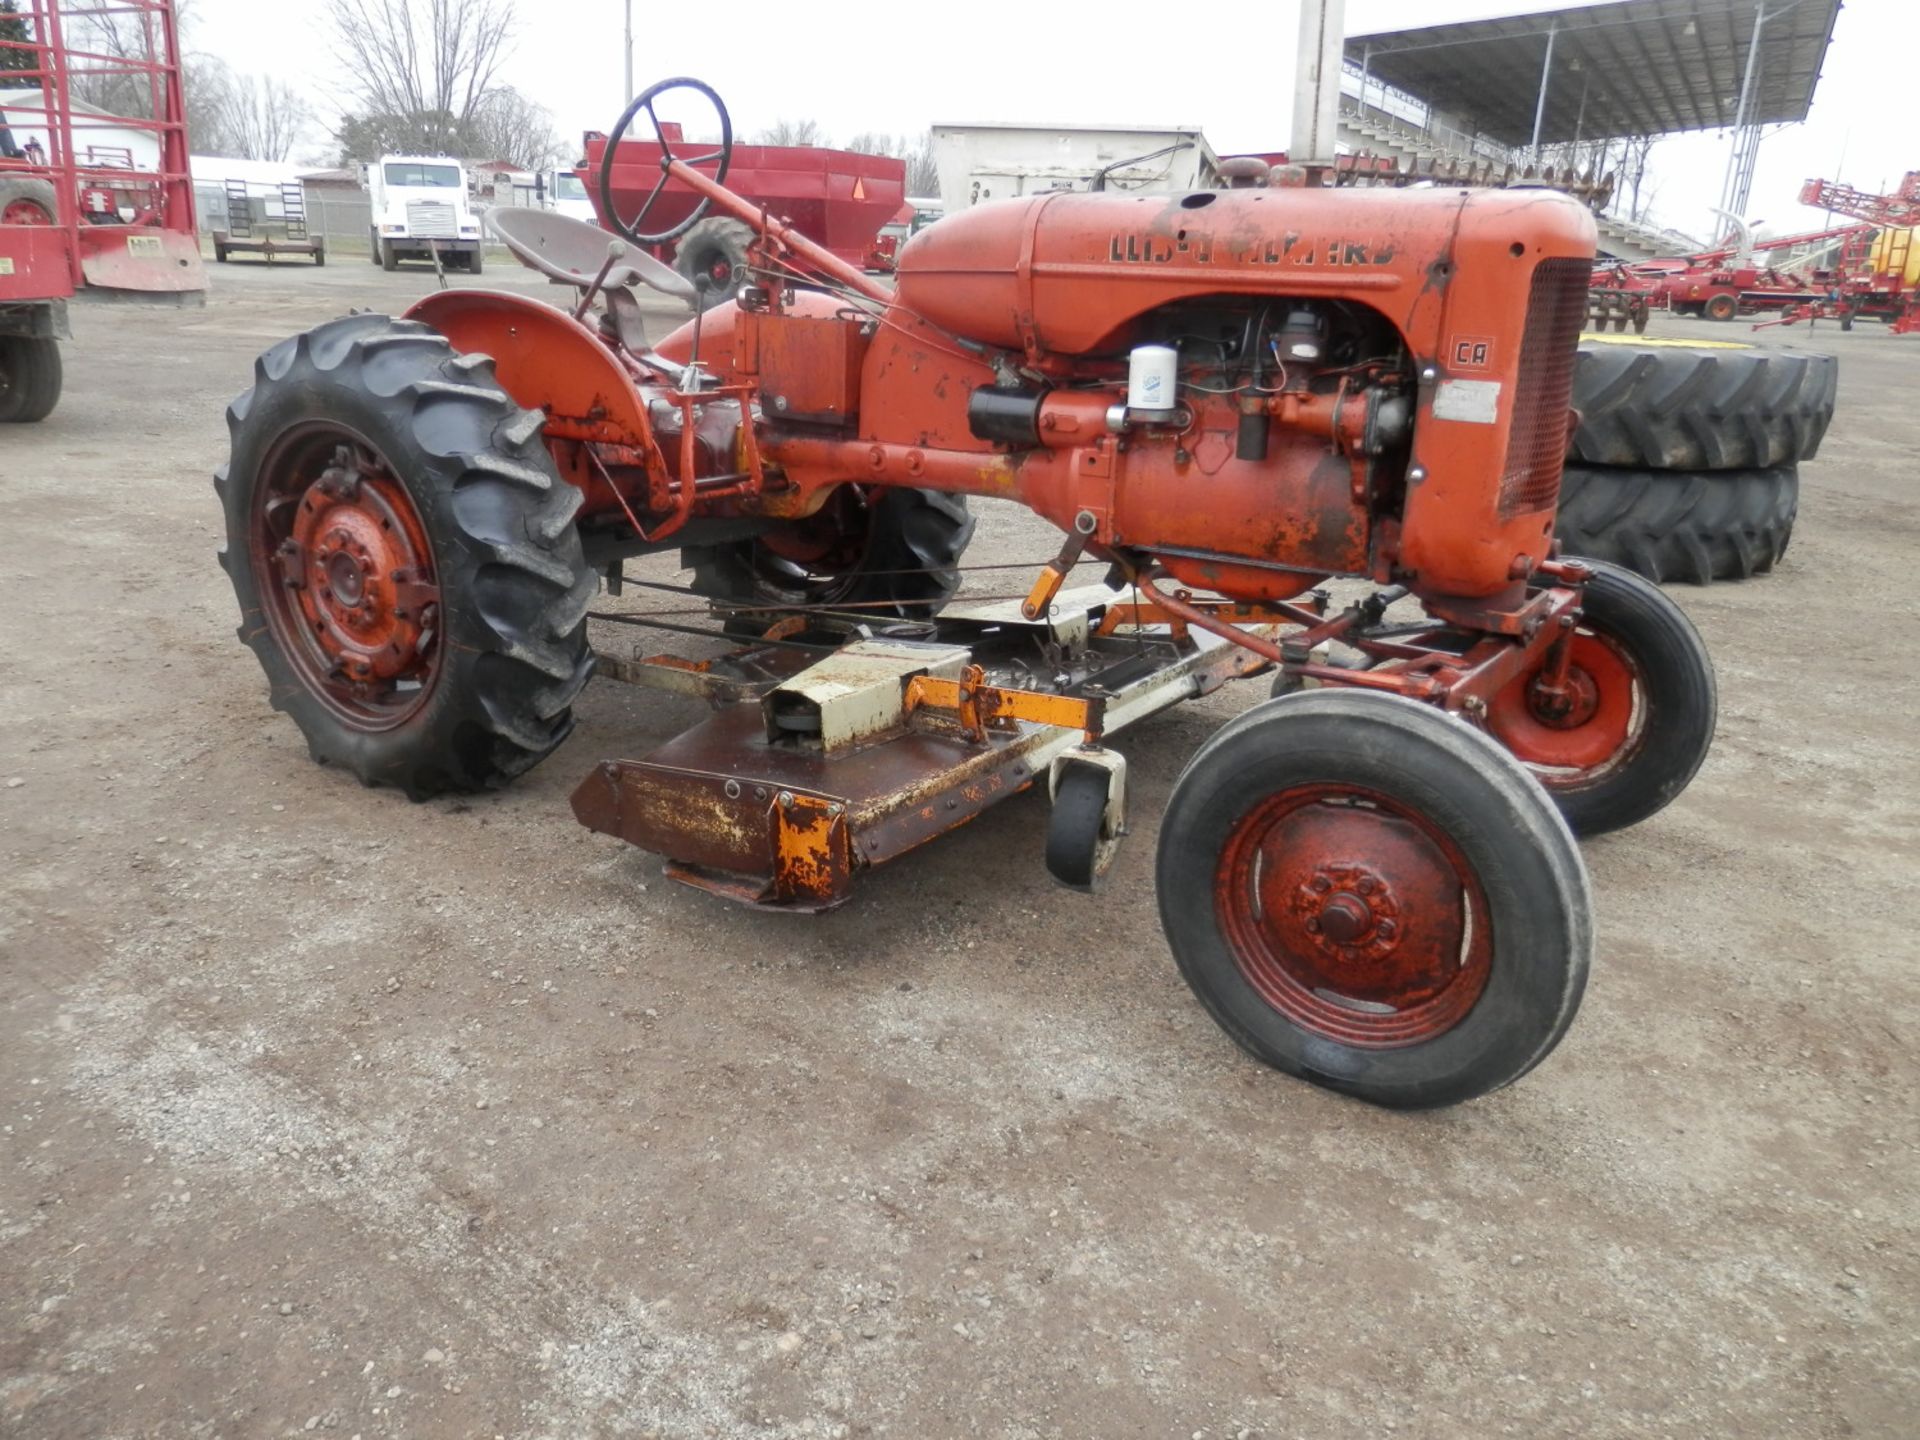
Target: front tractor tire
(1636, 721)
(1370, 894)
(404, 556)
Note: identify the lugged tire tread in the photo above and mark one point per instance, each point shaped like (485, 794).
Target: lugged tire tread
(1671, 525)
(1673, 408)
(528, 584)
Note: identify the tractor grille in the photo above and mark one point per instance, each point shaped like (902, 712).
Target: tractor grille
(433, 220)
(1537, 442)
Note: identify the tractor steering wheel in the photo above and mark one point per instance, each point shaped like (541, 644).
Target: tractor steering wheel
(630, 229)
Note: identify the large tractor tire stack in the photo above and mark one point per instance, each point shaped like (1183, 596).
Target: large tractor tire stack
(1685, 464)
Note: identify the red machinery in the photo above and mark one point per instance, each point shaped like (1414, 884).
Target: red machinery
(81, 209)
(1224, 397)
(1877, 281)
(1865, 280)
(839, 199)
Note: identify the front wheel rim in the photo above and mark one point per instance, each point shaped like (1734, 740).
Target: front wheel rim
(1570, 746)
(346, 575)
(1354, 916)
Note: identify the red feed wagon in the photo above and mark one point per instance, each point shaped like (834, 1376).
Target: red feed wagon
(838, 199)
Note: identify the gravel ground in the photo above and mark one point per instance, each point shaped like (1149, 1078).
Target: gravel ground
(321, 1111)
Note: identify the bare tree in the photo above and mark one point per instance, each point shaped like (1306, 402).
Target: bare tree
(1634, 152)
(260, 119)
(923, 176)
(430, 62)
(508, 126)
(791, 132)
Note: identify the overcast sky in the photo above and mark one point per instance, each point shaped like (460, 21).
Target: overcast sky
(1229, 71)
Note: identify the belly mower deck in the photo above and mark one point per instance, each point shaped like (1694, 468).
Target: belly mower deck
(818, 764)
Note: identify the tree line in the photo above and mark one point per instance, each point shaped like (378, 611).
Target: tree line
(421, 77)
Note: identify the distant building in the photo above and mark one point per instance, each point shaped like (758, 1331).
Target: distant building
(99, 139)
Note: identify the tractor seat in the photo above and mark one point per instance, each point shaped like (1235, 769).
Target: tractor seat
(572, 252)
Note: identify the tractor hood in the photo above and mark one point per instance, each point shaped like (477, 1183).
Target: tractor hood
(1065, 272)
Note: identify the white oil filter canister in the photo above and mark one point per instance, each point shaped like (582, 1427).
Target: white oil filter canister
(1152, 378)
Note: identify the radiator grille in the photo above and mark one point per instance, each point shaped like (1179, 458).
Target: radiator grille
(1537, 443)
(430, 219)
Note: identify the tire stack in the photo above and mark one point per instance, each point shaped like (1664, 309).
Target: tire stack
(1685, 464)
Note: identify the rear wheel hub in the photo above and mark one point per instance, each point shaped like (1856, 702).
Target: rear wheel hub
(348, 582)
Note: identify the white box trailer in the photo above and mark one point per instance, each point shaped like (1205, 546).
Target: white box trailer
(999, 160)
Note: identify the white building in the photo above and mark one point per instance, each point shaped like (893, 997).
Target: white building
(98, 138)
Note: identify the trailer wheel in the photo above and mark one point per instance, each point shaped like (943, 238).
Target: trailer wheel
(1636, 721)
(30, 378)
(1704, 407)
(892, 552)
(1721, 307)
(1372, 895)
(405, 558)
(1673, 525)
(27, 200)
(716, 248)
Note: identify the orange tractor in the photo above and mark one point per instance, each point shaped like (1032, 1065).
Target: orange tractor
(1225, 398)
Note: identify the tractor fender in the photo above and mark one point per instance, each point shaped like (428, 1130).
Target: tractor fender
(547, 361)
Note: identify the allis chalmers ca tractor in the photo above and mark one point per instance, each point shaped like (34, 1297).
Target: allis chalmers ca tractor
(1225, 396)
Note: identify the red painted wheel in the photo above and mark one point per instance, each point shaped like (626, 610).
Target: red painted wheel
(1574, 738)
(25, 212)
(1635, 720)
(1354, 916)
(1372, 895)
(349, 579)
(404, 555)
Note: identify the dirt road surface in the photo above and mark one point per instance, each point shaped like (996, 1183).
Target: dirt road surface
(328, 1113)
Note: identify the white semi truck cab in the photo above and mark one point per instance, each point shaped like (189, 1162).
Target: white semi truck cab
(420, 205)
(568, 195)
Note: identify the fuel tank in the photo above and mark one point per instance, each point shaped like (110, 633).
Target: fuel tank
(1065, 272)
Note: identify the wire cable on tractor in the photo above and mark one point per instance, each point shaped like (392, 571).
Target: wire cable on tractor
(1226, 397)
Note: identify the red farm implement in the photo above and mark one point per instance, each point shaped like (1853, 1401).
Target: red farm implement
(96, 201)
(839, 199)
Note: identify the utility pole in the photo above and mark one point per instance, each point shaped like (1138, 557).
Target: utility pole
(1316, 81)
(629, 95)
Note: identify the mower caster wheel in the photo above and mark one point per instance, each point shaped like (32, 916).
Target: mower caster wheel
(1370, 894)
(1089, 817)
(1638, 719)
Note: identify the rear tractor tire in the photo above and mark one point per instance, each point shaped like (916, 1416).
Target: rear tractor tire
(1370, 894)
(1707, 407)
(30, 378)
(1675, 525)
(1637, 719)
(887, 553)
(405, 559)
